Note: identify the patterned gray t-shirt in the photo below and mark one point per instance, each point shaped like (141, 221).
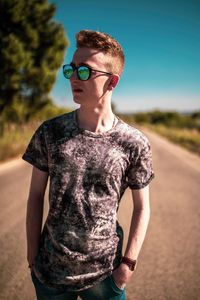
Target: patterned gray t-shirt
(81, 241)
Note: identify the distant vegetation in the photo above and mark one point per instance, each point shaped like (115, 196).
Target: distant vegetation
(169, 119)
(183, 129)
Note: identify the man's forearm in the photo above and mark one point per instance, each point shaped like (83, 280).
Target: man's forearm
(33, 227)
(138, 228)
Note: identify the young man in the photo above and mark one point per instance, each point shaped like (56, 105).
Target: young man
(91, 157)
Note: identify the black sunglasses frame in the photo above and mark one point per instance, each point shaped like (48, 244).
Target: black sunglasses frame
(89, 68)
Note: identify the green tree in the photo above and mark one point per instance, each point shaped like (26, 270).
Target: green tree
(32, 47)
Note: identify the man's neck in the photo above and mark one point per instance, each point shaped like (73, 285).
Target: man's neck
(98, 119)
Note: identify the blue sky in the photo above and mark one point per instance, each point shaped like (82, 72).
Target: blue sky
(161, 42)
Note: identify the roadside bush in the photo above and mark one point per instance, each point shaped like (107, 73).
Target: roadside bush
(15, 113)
(49, 111)
(169, 119)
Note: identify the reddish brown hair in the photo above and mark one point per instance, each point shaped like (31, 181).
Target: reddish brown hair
(104, 43)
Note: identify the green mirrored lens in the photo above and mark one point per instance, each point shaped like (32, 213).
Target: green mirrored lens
(83, 73)
(68, 71)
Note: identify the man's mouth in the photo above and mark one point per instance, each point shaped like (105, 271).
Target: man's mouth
(77, 90)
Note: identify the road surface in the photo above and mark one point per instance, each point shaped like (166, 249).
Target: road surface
(169, 263)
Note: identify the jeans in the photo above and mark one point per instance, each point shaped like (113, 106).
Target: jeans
(105, 290)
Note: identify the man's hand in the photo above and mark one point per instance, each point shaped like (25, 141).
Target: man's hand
(122, 275)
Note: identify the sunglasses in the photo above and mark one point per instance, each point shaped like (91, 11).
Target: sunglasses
(83, 72)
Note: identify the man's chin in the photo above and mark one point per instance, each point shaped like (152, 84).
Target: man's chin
(77, 100)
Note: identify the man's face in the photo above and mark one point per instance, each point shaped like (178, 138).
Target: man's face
(92, 91)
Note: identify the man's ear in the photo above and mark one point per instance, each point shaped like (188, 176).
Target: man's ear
(113, 81)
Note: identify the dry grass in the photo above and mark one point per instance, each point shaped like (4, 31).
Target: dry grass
(187, 138)
(15, 139)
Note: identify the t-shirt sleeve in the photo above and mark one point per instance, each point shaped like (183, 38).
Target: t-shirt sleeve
(140, 172)
(36, 153)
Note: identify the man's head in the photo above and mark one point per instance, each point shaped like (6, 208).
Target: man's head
(95, 68)
(114, 56)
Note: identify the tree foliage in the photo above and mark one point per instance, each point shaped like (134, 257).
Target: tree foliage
(169, 119)
(32, 47)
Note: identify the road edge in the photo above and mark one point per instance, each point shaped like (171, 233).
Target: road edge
(11, 163)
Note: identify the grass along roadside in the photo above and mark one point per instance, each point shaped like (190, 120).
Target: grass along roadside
(187, 138)
(15, 139)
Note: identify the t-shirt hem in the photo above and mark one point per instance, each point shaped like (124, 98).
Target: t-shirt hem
(69, 288)
(142, 185)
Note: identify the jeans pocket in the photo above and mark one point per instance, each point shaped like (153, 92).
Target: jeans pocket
(43, 289)
(115, 287)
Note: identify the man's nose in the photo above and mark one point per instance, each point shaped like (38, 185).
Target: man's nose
(74, 75)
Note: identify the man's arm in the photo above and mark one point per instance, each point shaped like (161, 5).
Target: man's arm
(138, 228)
(35, 213)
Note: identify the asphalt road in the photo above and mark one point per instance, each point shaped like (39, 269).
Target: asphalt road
(169, 263)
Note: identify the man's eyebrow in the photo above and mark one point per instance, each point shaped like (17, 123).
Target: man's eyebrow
(80, 64)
